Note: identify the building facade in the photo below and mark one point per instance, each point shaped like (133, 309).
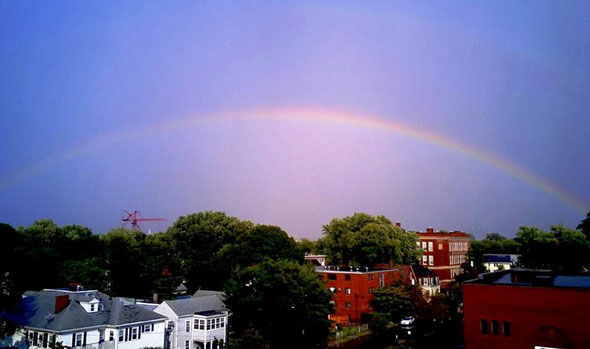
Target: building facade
(199, 322)
(352, 289)
(519, 308)
(443, 252)
(84, 320)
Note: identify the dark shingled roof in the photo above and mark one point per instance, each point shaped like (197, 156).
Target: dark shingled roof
(196, 305)
(205, 293)
(37, 309)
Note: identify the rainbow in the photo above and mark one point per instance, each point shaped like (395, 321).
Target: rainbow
(312, 115)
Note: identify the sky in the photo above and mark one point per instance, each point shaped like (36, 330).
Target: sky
(460, 115)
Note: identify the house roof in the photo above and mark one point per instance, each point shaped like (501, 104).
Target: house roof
(500, 258)
(196, 305)
(205, 293)
(37, 309)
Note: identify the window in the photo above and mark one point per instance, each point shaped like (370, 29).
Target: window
(217, 322)
(111, 335)
(134, 333)
(506, 328)
(424, 245)
(147, 328)
(347, 277)
(121, 335)
(101, 335)
(202, 324)
(483, 326)
(347, 304)
(187, 344)
(187, 326)
(431, 260)
(495, 327)
(418, 244)
(78, 339)
(347, 290)
(440, 246)
(430, 246)
(331, 276)
(92, 307)
(208, 324)
(371, 277)
(222, 322)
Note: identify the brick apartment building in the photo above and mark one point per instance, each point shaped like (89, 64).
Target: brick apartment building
(353, 289)
(519, 308)
(444, 252)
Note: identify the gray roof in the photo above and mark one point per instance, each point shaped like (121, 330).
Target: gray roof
(205, 293)
(37, 310)
(196, 305)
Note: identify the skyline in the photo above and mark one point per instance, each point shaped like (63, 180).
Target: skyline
(117, 114)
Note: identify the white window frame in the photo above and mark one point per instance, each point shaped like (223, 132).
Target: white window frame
(431, 260)
(187, 326)
(121, 336)
(134, 333)
(79, 338)
(187, 344)
(347, 290)
(430, 246)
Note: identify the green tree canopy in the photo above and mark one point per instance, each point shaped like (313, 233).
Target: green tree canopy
(366, 240)
(584, 226)
(282, 303)
(197, 238)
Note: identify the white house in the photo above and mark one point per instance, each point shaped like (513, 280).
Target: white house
(84, 320)
(495, 262)
(199, 322)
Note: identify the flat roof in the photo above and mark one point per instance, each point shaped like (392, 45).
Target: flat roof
(531, 277)
(351, 270)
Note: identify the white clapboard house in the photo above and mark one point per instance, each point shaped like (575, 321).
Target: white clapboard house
(83, 320)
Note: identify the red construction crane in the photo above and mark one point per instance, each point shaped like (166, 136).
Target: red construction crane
(134, 220)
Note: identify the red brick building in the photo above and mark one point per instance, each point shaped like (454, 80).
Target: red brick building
(353, 289)
(527, 309)
(444, 252)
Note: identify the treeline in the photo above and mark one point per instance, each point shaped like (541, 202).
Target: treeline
(260, 268)
(560, 249)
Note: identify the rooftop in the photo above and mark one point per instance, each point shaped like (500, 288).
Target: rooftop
(38, 310)
(348, 270)
(532, 278)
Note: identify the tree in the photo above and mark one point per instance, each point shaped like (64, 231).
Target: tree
(365, 240)
(562, 249)
(262, 242)
(282, 304)
(399, 300)
(306, 246)
(584, 226)
(197, 238)
(125, 262)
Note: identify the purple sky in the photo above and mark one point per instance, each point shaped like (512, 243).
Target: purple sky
(509, 78)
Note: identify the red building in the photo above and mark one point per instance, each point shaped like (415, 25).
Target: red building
(353, 289)
(527, 309)
(444, 252)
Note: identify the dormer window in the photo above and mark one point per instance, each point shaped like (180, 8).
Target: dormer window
(91, 306)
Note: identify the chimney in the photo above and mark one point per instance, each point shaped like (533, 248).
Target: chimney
(430, 230)
(155, 297)
(398, 224)
(61, 302)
